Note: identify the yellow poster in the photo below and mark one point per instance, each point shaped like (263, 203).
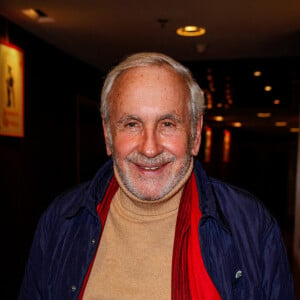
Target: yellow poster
(11, 90)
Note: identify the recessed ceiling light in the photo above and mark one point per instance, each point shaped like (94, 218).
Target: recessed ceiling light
(281, 124)
(257, 73)
(37, 15)
(191, 31)
(263, 115)
(30, 13)
(237, 124)
(219, 118)
(268, 88)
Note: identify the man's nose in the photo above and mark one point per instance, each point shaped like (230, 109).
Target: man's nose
(150, 145)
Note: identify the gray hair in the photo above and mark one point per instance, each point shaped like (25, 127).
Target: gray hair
(144, 59)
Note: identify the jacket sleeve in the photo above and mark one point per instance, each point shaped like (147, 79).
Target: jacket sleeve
(277, 278)
(31, 287)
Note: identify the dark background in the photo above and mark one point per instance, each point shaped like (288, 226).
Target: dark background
(63, 145)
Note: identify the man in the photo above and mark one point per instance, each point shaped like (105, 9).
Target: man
(151, 225)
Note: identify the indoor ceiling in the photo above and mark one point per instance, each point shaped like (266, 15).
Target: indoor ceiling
(103, 32)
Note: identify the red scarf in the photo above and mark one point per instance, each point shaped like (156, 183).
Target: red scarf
(189, 277)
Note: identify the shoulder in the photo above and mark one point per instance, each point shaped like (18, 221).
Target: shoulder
(231, 195)
(61, 208)
(82, 197)
(242, 210)
(65, 203)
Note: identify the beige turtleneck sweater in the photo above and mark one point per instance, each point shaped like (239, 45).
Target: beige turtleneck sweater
(134, 257)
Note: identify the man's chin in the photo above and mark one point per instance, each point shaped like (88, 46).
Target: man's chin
(147, 194)
(148, 198)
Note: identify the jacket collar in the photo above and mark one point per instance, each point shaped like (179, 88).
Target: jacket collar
(94, 191)
(207, 200)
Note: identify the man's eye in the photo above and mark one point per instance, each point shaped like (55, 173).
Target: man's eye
(131, 124)
(168, 124)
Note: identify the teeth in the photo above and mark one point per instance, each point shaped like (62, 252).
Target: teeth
(151, 168)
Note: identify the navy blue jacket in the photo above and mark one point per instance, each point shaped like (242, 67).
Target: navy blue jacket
(240, 242)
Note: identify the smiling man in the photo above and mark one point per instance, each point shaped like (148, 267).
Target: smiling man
(151, 224)
(150, 130)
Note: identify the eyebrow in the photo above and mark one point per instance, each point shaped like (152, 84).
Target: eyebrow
(173, 117)
(126, 118)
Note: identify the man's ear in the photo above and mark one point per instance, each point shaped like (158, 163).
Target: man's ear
(107, 143)
(197, 139)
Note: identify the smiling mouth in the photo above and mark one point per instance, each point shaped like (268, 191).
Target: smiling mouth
(150, 164)
(150, 168)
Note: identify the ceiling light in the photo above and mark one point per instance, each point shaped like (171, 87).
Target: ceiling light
(263, 115)
(30, 13)
(237, 124)
(37, 15)
(276, 101)
(219, 118)
(281, 124)
(295, 129)
(268, 88)
(257, 73)
(191, 31)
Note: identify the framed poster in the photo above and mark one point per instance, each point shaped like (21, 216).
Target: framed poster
(11, 90)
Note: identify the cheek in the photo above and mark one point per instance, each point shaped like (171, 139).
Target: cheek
(179, 146)
(124, 145)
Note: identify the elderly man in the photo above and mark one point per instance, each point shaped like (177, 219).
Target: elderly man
(151, 224)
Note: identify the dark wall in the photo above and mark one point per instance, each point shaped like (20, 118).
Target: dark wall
(36, 168)
(262, 163)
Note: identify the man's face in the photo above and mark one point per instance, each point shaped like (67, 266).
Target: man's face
(150, 129)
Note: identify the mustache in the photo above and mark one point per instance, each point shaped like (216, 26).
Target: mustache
(161, 159)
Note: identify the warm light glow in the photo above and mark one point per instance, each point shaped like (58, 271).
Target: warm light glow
(219, 118)
(30, 13)
(209, 100)
(268, 88)
(191, 31)
(295, 129)
(207, 147)
(264, 115)
(37, 15)
(237, 124)
(257, 73)
(226, 145)
(219, 105)
(45, 20)
(281, 124)
(190, 28)
(276, 101)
